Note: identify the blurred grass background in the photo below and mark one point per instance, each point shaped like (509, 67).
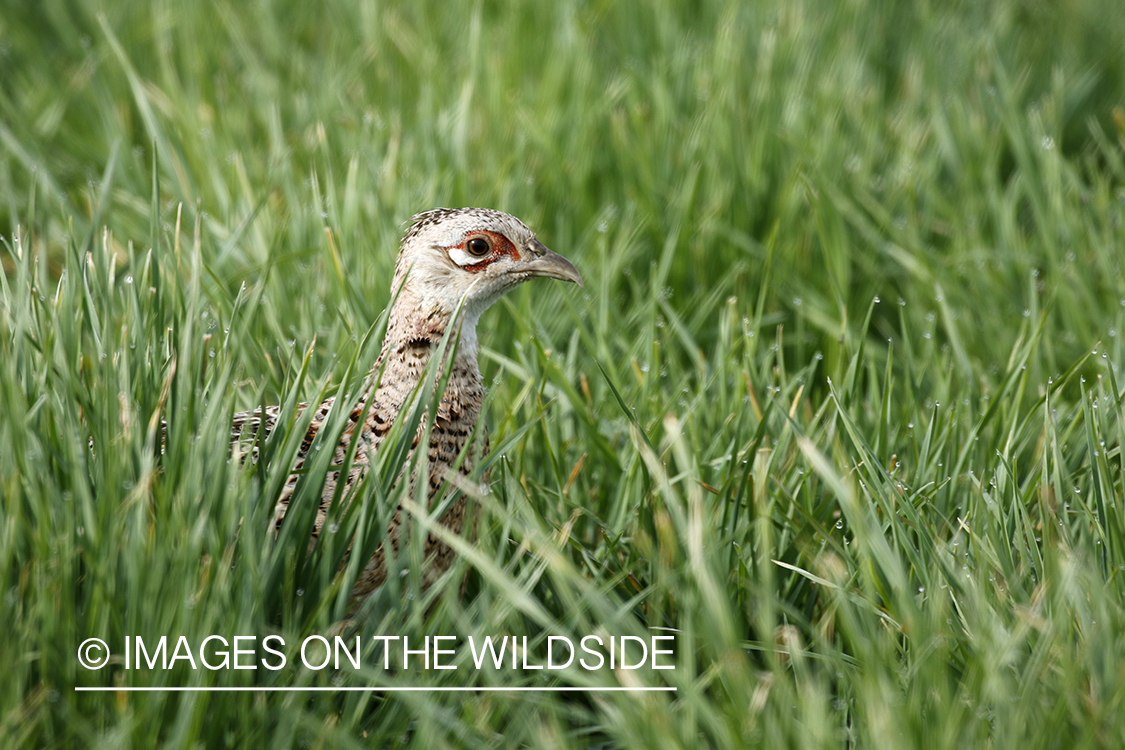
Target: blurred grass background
(839, 402)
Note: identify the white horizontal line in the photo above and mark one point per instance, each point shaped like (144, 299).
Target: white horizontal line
(373, 689)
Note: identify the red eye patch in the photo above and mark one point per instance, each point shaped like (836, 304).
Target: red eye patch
(501, 246)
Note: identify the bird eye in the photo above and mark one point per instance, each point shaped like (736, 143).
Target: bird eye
(477, 246)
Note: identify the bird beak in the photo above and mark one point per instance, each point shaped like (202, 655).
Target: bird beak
(549, 264)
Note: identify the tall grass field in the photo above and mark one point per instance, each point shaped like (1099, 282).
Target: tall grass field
(835, 425)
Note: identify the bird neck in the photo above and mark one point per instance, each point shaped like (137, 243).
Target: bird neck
(423, 326)
(413, 336)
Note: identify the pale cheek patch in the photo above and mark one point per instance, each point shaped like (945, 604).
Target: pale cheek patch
(462, 258)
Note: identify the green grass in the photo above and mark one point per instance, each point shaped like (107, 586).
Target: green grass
(840, 403)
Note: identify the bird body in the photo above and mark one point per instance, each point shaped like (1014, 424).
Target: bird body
(450, 259)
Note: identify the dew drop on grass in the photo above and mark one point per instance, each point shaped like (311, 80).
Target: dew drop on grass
(333, 528)
(300, 592)
(128, 279)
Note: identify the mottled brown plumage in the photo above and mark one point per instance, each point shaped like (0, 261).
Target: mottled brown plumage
(447, 255)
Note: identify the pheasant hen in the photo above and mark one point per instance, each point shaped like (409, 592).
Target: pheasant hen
(447, 255)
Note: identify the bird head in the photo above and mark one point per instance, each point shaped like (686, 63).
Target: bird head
(471, 254)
